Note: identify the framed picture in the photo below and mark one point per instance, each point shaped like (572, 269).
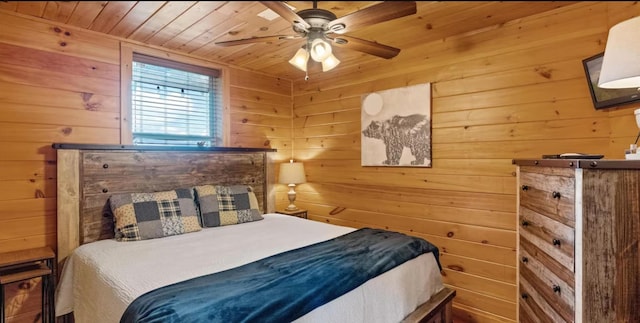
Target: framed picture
(605, 98)
(396, 127)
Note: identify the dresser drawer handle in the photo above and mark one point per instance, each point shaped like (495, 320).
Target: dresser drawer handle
(525, 223)
(525, 187)
(524, 295)
(556, 195)
(556, 289)
(525, 260)
(556, 242)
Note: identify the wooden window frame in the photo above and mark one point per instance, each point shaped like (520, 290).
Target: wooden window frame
(126, 64)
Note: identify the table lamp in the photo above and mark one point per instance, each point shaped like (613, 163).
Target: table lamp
(292, 174)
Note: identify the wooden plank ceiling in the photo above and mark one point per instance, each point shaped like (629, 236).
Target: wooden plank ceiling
(195, 26)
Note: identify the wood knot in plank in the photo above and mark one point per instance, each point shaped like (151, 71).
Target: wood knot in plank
(544, 72)
(456, 268)
(86, 96)
(92, 106)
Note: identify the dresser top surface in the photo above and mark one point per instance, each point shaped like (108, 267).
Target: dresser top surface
(580, 163)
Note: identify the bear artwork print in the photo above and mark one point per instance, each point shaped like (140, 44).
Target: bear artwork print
(399, 132)
(397, 127)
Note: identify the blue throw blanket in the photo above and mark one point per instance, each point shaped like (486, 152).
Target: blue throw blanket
(283, 287)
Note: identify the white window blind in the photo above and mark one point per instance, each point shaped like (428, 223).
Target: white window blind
(175, 103)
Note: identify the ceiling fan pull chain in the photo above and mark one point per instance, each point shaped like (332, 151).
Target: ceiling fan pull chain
(306, 70)
(308, 49)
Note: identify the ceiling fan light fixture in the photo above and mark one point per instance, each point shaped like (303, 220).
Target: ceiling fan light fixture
(320, 50)
(330, 63)
(299, 60)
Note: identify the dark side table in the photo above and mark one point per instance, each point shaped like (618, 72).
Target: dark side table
(299, 213)
(26, 264)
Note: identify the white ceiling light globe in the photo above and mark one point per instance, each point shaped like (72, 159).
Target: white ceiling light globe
(320, 50)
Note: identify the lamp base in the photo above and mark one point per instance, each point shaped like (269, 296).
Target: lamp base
(292, 197)
(291, 208)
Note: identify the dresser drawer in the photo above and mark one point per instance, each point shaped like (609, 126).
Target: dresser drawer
(526, 314)
(532, 251)
(552, 237)
(534, 307)
(557, 292)
(550, 195)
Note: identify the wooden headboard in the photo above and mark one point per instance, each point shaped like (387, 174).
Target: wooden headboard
(89, 174)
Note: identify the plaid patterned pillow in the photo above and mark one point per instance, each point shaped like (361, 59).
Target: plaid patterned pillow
(225, 205)
(140, 216)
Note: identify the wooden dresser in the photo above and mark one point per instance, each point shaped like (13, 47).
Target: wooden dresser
(578, 240)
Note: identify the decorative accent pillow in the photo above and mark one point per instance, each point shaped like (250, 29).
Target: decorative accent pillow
(225, 205)
(140, 216)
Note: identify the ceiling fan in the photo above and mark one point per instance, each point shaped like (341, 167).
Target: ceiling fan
(321, 27)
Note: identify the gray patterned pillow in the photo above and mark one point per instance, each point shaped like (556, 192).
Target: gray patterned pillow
(140, 216)
(225, 205)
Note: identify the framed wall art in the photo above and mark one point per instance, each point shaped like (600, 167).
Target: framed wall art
(396, 127)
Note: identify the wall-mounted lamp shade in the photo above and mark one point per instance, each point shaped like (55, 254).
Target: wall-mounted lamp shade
(320, 50)
(621, 62)
(329, 63)
(292, 173)
(300, 59)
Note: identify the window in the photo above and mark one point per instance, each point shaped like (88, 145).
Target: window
(175, 103)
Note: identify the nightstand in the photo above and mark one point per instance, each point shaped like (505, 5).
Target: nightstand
(26, 264)
(299, 213)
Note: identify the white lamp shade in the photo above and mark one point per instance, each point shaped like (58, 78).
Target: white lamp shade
(329, 63)
(621, 62)
(320, 50)
(300, 59)
(292, 173)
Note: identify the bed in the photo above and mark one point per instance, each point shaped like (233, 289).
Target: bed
(101, 277)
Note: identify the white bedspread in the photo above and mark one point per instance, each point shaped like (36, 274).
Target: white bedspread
(100, 279)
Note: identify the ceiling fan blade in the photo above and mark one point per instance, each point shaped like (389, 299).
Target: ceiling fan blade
(253, 40)
(285, 12)
(382, 12)
(365, 46)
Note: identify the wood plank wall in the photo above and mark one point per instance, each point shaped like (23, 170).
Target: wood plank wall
(514, 91)
(61, 84)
